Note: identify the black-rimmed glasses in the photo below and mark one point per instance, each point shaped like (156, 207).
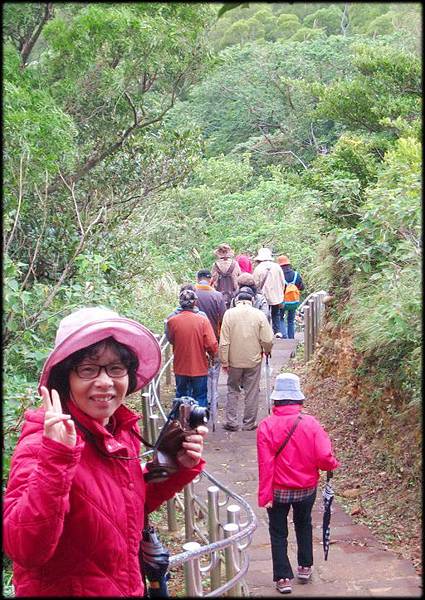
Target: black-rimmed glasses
(91, 371)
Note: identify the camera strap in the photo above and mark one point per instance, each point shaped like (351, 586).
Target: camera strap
(92, 438)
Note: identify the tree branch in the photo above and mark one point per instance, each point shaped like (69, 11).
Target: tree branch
(37, 245)
(18, 210)
(344, 20)
(130, 101)
(313, 138)
(98, 158)
(71, 190)
(284, 93)
(32, 321)
(30, 42)
(293, 154)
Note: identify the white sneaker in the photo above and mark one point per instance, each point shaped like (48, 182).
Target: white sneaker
(304, 573)
(284, 586)
(278, 335)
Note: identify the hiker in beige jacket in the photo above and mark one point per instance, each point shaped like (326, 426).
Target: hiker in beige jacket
(245, 335)
(270, 282)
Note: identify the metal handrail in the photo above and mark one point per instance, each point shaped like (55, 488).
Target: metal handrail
(310, 317)
(233, 537)
(251, 525)
(305, 301)
(312, 311)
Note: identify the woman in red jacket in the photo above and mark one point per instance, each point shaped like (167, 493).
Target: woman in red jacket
(76, 497)
(292, 447)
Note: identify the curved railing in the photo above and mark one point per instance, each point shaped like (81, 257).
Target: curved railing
(214, 555)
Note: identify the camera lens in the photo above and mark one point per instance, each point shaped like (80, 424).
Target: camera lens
(198, 416)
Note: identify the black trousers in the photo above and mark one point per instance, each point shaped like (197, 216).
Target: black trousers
(278, 530)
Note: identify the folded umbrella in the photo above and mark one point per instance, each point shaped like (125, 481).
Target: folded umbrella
(155, 560)
(213, 375)
(268, 373)
(328, 496)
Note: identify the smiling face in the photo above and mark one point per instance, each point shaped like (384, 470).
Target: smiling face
(99, 397)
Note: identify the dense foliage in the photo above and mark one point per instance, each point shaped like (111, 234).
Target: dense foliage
(86, 89)
(138, 136)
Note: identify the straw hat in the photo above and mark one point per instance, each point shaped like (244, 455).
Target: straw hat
(224, 251)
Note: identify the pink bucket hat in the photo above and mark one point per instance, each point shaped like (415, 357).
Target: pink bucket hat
(90, 325)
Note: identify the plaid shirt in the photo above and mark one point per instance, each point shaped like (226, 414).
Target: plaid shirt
(287, 496)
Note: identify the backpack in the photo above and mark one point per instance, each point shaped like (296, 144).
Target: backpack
(225, 283)
(291, 296)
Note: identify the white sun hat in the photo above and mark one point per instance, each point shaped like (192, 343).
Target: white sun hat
(287, 387)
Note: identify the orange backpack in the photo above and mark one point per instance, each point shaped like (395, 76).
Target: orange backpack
(291, 296)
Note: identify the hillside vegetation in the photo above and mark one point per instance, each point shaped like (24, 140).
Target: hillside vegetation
(139, 136)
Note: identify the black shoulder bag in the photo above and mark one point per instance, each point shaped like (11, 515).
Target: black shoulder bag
(291, 431)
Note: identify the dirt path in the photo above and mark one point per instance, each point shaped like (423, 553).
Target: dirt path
(358, 564)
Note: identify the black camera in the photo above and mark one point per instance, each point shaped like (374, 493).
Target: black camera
(184, 417)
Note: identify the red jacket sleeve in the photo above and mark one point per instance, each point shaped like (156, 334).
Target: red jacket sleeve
(37, 499)
(157, 493)
(323, 450)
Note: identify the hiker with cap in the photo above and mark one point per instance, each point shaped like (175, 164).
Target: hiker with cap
(194, 346)
(76, 499)
(292, 447)
(291, 296)
(224, 272)
(269, 280)
(246, 280)
(245, 336)
(211, 302)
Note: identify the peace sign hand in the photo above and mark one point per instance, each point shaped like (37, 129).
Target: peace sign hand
(57, 425)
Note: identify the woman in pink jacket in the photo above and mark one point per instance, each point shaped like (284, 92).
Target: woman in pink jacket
(76, 498)
(292, 447)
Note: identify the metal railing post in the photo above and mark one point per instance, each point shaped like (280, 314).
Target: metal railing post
(167, 356)
(307, 339)
(214, 532)
(234, 514)
(192, 572)
(172, 514)
(189, 526)
(232, 560)
(158, 382)
(154, 427)
(145, 415)
(317, 314)
(312, 328)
